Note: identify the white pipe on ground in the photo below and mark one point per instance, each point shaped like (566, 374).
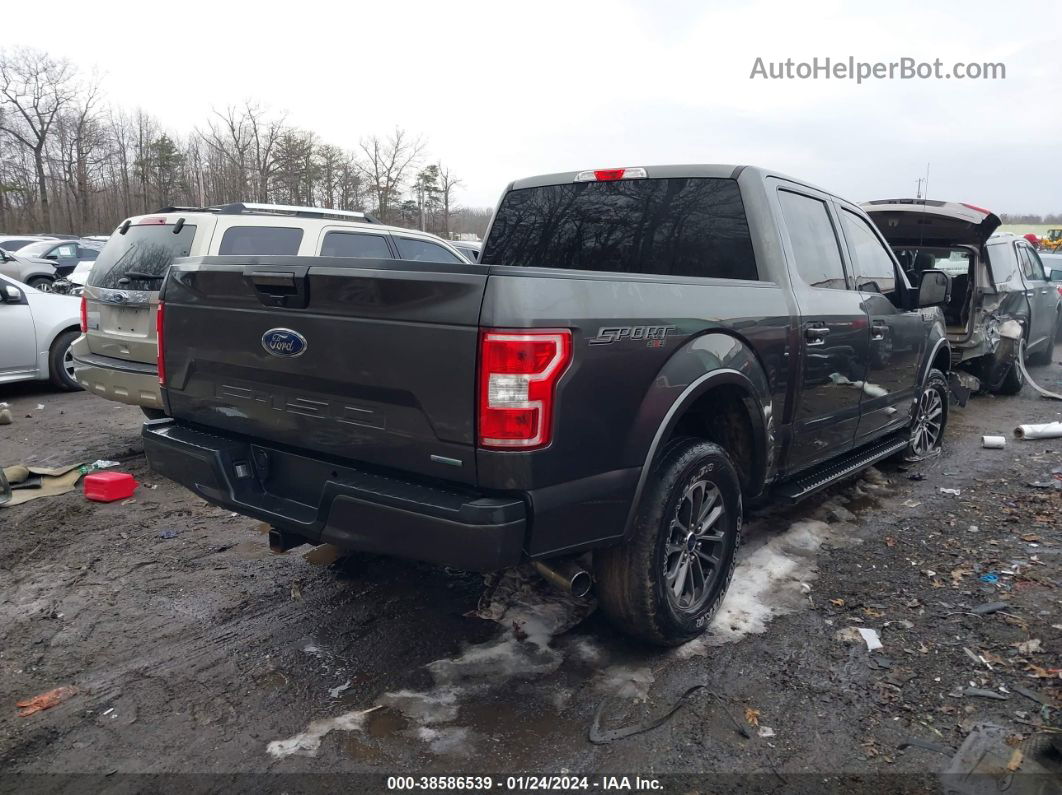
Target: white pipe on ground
(1050, 430)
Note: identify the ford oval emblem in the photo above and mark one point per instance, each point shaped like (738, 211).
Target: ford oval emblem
(284, 342)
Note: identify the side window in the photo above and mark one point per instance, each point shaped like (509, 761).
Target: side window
(260, 240)
(1030, 264)
(65, 250)
(1004, 263)
(87, 254)
(818, 257)
(352, 244)
(875, 271)
(422, 250)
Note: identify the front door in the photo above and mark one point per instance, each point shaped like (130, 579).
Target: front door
(897, 335)
(834, 333)
(18, 352)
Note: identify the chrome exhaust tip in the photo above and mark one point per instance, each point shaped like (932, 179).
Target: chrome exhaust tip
(567, 575)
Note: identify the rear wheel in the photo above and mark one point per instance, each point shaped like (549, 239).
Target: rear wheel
(42, 283)
(61, 362)
(930, 419)
(1012, 382)
(665, 583)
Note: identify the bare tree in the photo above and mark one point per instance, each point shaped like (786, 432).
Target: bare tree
(387, 163)
(448, 181)
(37, 88)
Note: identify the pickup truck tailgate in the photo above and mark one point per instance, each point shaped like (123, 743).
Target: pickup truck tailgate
(369, 361)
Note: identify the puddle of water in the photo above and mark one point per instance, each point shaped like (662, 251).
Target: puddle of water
(628, 682)
(386, 723)
(253, 549)
(323, 555)
(452, 740)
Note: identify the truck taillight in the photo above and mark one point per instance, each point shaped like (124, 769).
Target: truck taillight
(610, 174)
(161, 345)
(518, 375)
(84, 315)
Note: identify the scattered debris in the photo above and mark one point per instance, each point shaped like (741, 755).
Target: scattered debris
(599, 736)
(1032, 646)
(44, 701)
(978, 692)
(334, 692)
(989, 608)
(765, 731)
(991, 577)
(97, 465)
(953, 492)
(871, 637)
(752, 716)
(29, 483)
(168, 534)
(5, 414)
(993, 442)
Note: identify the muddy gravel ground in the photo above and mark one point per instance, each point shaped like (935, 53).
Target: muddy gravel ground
(200, 659)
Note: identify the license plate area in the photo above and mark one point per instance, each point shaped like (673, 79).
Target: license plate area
(127, 320)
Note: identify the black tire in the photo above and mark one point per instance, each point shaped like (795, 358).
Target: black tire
(930, 418)
(1012, 382)
(60, 362)
(632, 579)
(42, 283)
(153, 414)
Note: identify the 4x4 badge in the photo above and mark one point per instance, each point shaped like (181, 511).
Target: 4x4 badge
(284, 342)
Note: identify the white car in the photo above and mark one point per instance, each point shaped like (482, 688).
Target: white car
(37, 330)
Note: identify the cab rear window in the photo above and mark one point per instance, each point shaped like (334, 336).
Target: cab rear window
(674, 227)
(138, 260)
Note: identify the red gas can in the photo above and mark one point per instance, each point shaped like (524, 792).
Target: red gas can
(109, 486)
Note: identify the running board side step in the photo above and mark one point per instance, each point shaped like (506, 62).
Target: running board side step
(824, 475)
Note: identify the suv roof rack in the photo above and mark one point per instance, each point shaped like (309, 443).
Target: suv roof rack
(249, 208)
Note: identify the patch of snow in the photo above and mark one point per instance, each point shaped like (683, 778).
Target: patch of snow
(308, 742)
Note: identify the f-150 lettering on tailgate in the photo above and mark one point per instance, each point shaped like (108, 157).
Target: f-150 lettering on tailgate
(305, 406)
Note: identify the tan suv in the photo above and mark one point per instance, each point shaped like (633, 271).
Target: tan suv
(116, 356)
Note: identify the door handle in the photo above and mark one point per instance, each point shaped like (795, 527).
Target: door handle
(816, 335)
(877, 331)
(1045, 291)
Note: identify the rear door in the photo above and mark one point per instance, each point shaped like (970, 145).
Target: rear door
(834, 335)
(1042, 296)
(897, 336)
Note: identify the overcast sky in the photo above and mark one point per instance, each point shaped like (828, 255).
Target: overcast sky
(503, 90)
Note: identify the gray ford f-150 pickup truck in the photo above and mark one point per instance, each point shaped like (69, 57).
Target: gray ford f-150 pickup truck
(639, 354)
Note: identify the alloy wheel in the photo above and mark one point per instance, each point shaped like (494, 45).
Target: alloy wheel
(929, 423)
(694, 552)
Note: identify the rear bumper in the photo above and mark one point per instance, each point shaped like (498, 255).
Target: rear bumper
(136, 383)
(325, 502)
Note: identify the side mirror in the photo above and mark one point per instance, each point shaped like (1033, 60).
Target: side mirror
(11, 294)
(934, 289)
(1056, 276)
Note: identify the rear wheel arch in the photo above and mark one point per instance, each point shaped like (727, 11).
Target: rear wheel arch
(725, 406)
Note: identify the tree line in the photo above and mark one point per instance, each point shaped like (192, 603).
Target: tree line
(1031, 218)
(72, 163)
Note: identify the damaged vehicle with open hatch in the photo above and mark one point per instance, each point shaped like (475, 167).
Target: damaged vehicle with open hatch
(1002, 303)
(638, 356)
